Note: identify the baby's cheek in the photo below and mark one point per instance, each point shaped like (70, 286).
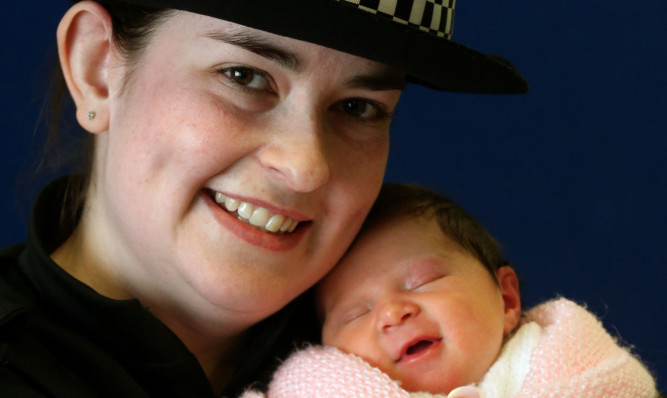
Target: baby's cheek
(362, 348)
(342, 342)
(355, 341)
(327, 335)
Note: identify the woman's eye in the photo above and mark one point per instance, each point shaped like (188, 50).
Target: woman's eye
(363, 109)
(247, 77)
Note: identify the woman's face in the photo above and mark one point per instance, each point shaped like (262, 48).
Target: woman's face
(294, 132)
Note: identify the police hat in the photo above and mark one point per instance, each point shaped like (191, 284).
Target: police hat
(411, 35)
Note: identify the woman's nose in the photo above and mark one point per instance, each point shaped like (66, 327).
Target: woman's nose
(297, 153)
(395, 313)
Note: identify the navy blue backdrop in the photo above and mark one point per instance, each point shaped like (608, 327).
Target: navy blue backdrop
(570, 177)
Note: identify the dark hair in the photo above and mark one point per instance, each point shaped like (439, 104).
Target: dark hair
(397, 200)
(67, 147)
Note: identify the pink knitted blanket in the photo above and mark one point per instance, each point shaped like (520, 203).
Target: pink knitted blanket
(561, 350)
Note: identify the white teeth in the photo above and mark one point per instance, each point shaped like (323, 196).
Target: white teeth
(232, 204)
(289, 225)
(286, 225)
(257, 216)
(220, 197)
(245, 210)
(274, 223)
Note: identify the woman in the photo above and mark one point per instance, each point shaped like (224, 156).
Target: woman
(236, 148)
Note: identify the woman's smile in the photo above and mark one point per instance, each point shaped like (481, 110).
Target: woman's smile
(256, 216)
(256, 224)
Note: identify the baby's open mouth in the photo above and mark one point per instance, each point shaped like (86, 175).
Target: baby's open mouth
(255, 216)
(419, 347)
(414, 350)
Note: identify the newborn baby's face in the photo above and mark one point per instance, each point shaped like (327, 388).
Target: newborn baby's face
(414, 304)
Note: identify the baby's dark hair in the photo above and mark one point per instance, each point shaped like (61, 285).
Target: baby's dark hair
(399, 200)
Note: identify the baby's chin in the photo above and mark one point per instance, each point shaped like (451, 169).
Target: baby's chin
(421, 387)
(433, 382)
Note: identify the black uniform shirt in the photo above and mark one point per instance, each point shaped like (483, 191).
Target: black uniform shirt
(59, 338)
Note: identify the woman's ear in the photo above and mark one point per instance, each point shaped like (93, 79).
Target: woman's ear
(509, 288)
(85, 52)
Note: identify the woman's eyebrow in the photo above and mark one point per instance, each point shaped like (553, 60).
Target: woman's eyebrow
(291, 61)
(251, 42)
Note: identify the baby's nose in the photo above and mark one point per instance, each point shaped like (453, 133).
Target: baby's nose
(395, 313)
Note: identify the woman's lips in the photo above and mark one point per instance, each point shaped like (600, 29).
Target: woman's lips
(251, 233)
(255, 215)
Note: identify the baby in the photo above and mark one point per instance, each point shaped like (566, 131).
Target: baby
(424, 303)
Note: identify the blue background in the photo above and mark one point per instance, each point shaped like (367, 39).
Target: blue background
(570, 177)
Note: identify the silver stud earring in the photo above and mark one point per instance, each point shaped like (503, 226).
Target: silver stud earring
(91, 115)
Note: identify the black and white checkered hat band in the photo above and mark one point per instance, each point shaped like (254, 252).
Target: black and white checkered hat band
(433, 16)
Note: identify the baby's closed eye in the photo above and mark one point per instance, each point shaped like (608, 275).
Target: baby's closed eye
(355, 313)
(422, 279)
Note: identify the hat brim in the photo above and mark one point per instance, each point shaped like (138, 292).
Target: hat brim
(426, 58)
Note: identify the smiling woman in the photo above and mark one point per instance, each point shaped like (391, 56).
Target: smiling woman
(230, 159)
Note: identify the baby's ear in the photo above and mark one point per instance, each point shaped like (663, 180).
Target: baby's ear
(509, 288)
(84, 48)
